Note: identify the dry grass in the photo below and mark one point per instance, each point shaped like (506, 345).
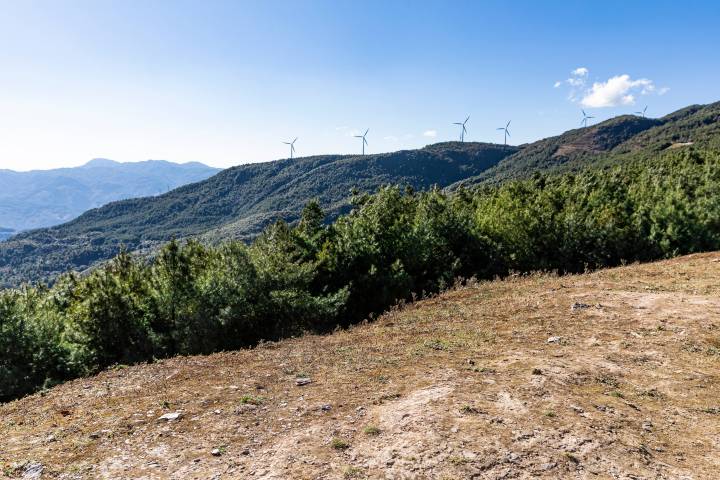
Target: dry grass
(464, 385)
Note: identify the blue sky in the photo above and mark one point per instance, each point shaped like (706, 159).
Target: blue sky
(225, 82)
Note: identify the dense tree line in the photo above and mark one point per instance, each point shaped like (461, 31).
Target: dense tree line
(193, 298)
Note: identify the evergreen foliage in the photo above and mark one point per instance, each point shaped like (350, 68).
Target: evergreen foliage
(392, 246)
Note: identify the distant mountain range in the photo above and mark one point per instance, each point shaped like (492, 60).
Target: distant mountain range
(239, 202)
(42, 198)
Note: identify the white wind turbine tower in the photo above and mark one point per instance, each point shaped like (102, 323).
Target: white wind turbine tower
(464, 130)
(642, 113)
(292, 147)
(505, 129)
(585, 119)
(364, 140)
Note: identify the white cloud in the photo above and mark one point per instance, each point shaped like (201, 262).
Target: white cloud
(430, 133)
(616, 91)
(576, 81)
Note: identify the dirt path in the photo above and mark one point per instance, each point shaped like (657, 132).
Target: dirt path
(612, 375)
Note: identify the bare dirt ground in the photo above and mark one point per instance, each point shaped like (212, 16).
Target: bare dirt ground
(495, 380)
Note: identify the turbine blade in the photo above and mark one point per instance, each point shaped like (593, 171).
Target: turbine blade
(366, 132)
(508, 124)
(507, 133)
(500, 128)
(468, 118)
(457, 123)
(584, 114)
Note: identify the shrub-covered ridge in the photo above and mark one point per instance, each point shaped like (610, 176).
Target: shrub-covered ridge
(393, 245)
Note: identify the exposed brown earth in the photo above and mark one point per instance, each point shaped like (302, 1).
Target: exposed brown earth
(495, 380)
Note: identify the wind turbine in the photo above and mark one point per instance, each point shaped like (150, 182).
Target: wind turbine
(364, 140)
(292, 147)
(505, 129)
(643, 112)
(464, 130)
(585, 119)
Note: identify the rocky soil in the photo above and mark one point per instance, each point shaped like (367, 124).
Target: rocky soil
(608, 375)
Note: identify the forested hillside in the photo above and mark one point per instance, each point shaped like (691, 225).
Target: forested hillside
(242, 200)
(606, 142)
(394, 245)
(239, 202)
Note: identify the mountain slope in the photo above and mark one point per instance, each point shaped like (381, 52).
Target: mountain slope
(608, 141)
(539, 376)
(243, 199)
(42, 198)
(240, 201)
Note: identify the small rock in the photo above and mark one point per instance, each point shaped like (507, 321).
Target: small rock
(216, 452)
(33, 471)
(512, 457)
(554, 339)
(579, 306)
(326, 407)
(171, 416)
(302, 381)
(647, 426)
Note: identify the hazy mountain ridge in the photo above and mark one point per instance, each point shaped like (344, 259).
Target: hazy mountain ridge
(42, 198)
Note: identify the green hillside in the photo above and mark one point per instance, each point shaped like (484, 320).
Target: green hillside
(237, 202)
(606, 142)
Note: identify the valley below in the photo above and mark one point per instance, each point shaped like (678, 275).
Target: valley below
(611, 374)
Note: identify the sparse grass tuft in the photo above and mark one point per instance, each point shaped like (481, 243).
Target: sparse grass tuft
(339, 444)
(353, 472)
(469, 409)
(251, 400)
(371, 430)
(457, 460)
